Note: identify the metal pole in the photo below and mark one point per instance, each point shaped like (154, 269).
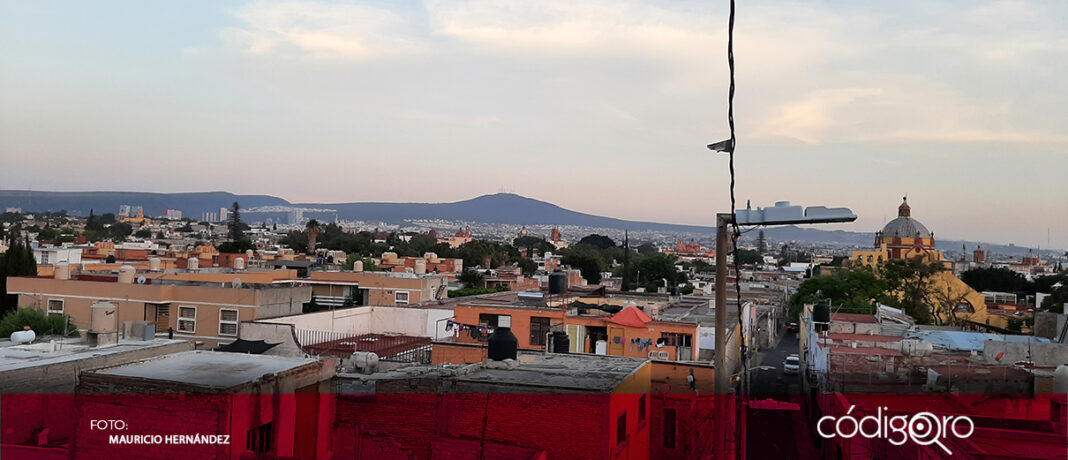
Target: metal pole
(722, 373)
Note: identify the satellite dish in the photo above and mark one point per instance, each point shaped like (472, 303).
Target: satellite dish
(141, 279)
(237, 282)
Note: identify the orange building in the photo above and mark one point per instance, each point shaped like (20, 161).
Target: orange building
(630, 332)
(208, 313)
(375, 288)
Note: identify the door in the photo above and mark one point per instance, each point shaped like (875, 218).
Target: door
(575, 334)
(615, 341)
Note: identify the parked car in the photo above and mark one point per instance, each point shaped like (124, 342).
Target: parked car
(792, 327)
(791, 365)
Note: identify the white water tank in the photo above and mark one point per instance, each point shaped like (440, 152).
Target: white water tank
(103, 318)
(192, 263)
(357, 266)
(249, 254)
(26, 335)
(62, 271)
(365, 361)
(239, 264)
(420, 266)
(126, 274)
(154, 264)
(1060, 380)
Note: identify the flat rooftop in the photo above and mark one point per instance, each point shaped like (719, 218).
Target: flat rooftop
(563, 371)
(208, 369)
(14, 356)
(569, 372)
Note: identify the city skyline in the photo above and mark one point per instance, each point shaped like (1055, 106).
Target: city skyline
(597, 107)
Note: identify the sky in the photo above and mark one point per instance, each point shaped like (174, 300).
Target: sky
(598, 106)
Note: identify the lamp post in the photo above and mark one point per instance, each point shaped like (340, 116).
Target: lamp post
(781, 214)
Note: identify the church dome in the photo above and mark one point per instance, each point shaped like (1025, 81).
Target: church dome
(905, 226)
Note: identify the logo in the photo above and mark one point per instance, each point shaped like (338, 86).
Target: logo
(923, 428)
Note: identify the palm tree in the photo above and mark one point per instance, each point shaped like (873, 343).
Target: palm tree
(313, 232)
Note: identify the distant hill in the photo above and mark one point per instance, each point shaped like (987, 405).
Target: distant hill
(500, 208)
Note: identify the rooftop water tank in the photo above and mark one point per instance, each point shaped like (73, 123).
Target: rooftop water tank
(103, 318)
(502, 343)
(357, 266)
(62, 271)
(126, 274)
(420, 266)
(557, 282)
(239, 264)
(561, 342)
(192, 263)
(26, 335)
(154, 264)
(821, 315)
(1060, 380)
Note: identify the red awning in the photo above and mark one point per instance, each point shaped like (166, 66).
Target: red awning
(630, 317)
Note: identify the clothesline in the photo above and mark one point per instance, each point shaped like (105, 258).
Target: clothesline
(458, 327)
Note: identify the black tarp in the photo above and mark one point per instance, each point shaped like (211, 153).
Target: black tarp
(255, 347)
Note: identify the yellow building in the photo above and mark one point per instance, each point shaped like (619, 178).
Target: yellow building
(906, 238)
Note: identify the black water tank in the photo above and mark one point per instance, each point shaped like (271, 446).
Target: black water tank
(503, 344)
(561, 342)
(821, 315)
(557, 283)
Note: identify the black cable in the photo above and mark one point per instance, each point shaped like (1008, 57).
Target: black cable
(736, 232)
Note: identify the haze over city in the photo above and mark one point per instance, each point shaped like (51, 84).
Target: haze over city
(599, 107)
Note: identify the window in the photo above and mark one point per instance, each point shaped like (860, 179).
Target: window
(489, 321)
(227, 322)
(621, 429)
(261, 439)
(401, 298)
(669, 428)
(539, 328)
(55, 307)
(187, 319)
(641, 409)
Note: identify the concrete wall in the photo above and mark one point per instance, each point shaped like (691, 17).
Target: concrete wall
(1043, 354)
(282, 301)
(62, 376)
(281, 334)
(417, 322)
(1049, 324)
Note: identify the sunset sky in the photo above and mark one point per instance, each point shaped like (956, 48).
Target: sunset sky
(597, 106)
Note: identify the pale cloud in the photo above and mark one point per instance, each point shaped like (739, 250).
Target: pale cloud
(321, 31)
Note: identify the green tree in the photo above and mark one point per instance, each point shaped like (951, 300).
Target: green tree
(912, 282)
(1056, 300)
(851, 290)
(999, 279)
(471, 278)
(533, 244)
(16, 261)
(41, 324)
(119, 231)
(597, 241)
(143, 233)
(748, 257)
(762, 243)
(647, 249)
(235, 247)
(234, 224)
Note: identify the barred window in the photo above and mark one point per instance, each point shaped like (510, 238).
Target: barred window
(187, 319)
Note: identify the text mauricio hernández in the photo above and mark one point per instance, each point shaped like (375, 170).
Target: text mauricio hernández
(149, 439)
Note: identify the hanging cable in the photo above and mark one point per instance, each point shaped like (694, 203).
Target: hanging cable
(735, 232)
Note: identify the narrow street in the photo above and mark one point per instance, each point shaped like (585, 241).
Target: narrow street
(776, 430)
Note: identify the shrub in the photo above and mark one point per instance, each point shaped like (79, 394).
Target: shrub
(40, 323)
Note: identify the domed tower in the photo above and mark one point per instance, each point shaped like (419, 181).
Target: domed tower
(904, 236)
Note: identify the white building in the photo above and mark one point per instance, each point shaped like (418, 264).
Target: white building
(53, 255)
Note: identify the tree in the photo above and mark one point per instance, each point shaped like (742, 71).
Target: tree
(234, 224)
(235, 247)
(748, 257)
(313, 232)
(646, 249)
(16, 261)
(143, 233)
(762, 243)
(995, 279)
(92, 223)
(40, 323)
(120, 231)
(852, 290)
(945, 305)
(912, 280)
(471, 278)
(587, 259)
(1056, 300)
(527, 266)
(597, 241)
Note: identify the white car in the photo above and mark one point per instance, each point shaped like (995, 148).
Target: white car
(791, 365)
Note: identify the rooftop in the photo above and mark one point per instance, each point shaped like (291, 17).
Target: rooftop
(207, 369)
(40, 354)
(571, 372)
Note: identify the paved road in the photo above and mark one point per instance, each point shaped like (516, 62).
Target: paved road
(777, 433)
(774, 383)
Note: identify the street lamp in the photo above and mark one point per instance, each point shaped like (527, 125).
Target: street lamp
(783, 213)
